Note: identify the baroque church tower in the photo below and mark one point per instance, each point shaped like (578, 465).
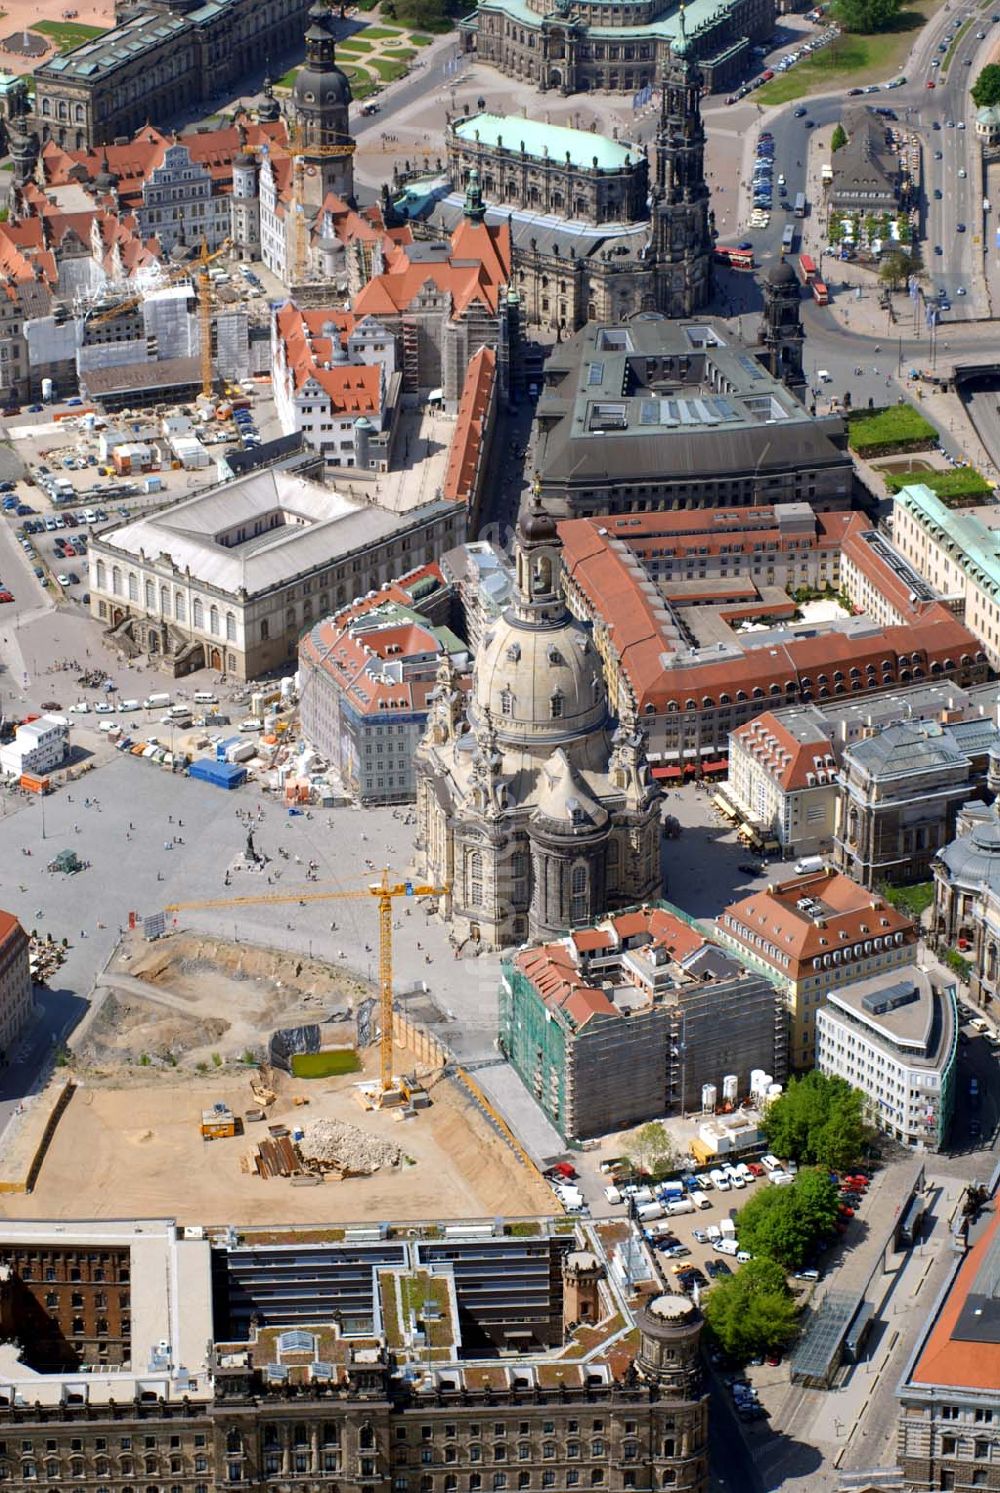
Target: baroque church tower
(681, 237)
(321, 98)
(535, 810)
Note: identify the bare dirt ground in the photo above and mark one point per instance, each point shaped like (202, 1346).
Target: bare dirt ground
(190, 1003)
(167, 1039)
(137, 1151)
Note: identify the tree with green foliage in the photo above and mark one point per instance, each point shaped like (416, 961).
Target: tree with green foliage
(839, 138)
(866, 16)
(985, 90)
(818, 1120)
(785, 1223)
(896, 268)
(752, 1311)
(652, 1151)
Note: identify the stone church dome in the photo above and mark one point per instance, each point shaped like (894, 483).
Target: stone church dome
(539, 685)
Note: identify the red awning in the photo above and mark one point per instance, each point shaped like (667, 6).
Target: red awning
(718, 766)
(666, 772)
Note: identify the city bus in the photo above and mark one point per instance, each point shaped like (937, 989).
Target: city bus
(807, 268)
(821, 294)
(736, 259)
(788, 239)
(800, 204)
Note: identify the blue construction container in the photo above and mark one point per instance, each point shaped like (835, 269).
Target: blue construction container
(222, 774)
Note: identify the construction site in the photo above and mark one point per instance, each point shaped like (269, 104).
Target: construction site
(178, 1109)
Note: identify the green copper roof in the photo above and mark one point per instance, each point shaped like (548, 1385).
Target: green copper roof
(553, 140)
(973, 544)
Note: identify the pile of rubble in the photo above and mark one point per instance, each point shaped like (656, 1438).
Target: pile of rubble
(336, 1146)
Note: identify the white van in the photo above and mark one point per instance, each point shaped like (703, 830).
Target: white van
(771, 1163)
(156, 702)
(744, 1172)
(128, 705)
(726, 1246)
(719, 1179)
(205, 697)
(808, 864)
(678, 1205)
(734, 1177)
(700, 1199)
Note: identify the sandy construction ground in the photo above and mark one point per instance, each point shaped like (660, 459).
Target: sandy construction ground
(138, 1151)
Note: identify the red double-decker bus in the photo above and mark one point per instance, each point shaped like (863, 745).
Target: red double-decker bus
(736, 259)
(820, 293)
(807, 268)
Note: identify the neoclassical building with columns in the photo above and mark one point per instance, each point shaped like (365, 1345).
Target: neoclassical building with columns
(533, 806)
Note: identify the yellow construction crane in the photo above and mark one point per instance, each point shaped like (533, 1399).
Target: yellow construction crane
(182, 272)
(384, 892)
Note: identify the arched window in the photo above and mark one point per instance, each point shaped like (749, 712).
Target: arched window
(102, 576)
(149, 591)
(133, 586)
(476, 879)
(116, 581)
(179, 607)
(230, 627)
(506, 702)
(198, 613)
(556, 704)
(264, 631)
(165, 601)
(578, 894)
(213, 621)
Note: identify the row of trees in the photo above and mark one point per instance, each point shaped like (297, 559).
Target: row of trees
(818, 1121)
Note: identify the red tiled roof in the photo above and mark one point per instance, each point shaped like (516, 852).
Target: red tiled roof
(558, 971)
(466, 450)
(478, 265)
(961, 1363)
(849, 913)
(312, 340)
(341, 651)
(787, 760)
(618, 591)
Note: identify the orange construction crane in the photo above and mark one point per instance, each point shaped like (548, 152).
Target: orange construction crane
(384, 892)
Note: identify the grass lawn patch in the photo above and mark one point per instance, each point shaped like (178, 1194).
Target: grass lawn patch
(910, 900)
(287, 80)
(399, 54)
(861, 59)
(355, 44)
(388, 70)
(946, 59)
(382, 33)
(420, 41)
(362, 83)
(951, 487)
(68, 34)
(896, 427)
(325, 1064)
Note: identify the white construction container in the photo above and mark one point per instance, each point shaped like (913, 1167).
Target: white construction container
(709, 1093)
(730, 1088)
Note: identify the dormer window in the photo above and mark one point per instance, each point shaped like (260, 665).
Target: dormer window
(556, 705)
(514, 652)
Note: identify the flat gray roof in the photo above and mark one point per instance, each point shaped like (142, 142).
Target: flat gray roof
(920, 1030)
